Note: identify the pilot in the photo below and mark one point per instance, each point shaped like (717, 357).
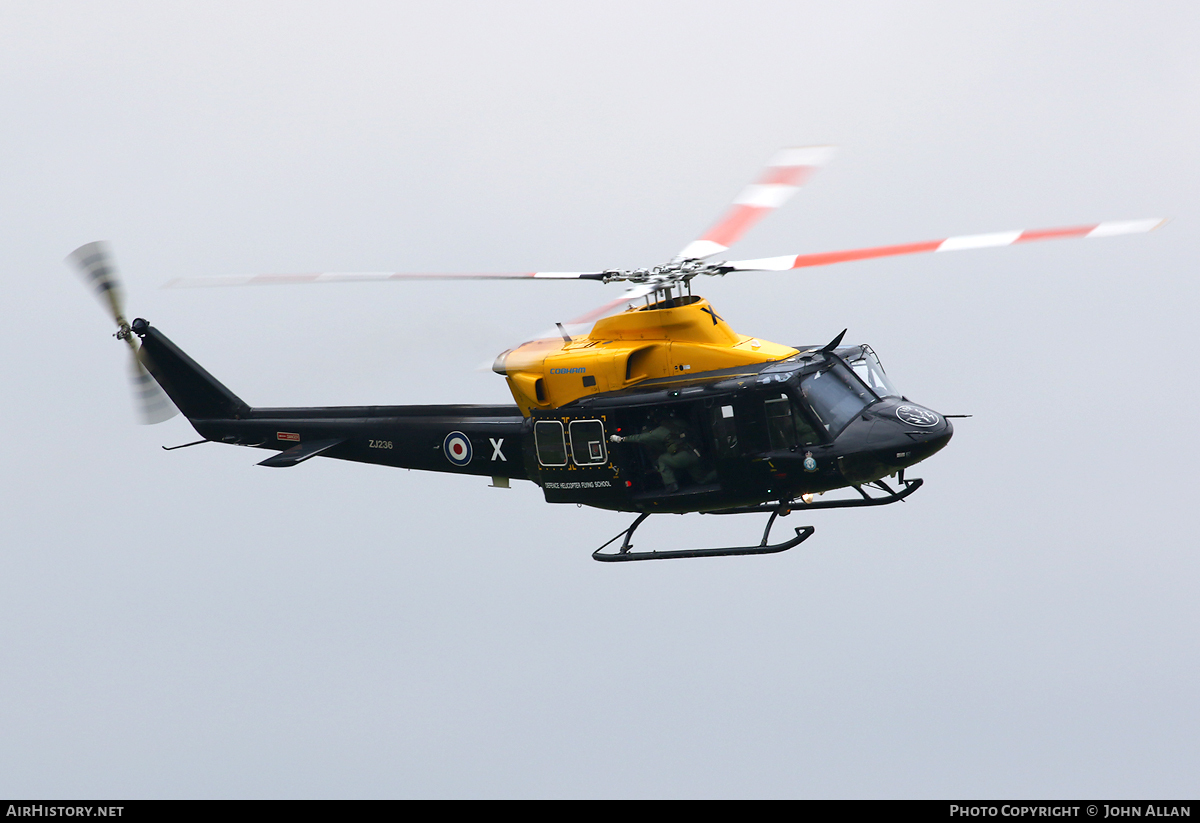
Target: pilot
(676, 454)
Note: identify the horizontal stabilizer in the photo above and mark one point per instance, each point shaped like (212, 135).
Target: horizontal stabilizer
(298, 454)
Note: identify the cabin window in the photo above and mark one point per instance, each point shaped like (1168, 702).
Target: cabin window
(787, 426)
(724, 428)
(587, 443)
(551, 445)
(779, 423)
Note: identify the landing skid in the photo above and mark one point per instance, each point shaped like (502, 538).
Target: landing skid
(890, 495)
(624, 553)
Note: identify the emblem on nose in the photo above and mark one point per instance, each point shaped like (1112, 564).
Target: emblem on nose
(917, 416)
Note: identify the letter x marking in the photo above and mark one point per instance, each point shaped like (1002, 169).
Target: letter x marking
(496, 453)
(713, 314)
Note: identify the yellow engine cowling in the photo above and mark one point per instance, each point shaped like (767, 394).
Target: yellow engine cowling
(669, 338)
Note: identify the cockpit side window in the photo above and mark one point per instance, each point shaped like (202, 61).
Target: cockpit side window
(868, 368)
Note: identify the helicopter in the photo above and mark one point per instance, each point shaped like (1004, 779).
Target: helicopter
(660, 408)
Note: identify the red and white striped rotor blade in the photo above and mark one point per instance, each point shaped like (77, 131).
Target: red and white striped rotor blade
(361, 276)
(970, 241)
(786, 172)
(514, 359)
(583, 323)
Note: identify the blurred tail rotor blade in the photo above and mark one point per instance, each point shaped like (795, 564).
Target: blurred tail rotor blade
(787, 171)
(95, 265)
(150, 401)
(970, 241)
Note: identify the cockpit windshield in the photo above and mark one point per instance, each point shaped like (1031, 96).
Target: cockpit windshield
(835, 396)
(867, 367)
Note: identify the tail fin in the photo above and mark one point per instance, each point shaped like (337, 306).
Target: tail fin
(196, 392)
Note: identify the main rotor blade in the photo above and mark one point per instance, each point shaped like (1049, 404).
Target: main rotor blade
(970, 241)
(583, 323)
(514, 360)
(360, 276)
(588, 318)
(786, 172)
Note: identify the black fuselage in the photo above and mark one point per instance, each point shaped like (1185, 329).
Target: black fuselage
(736, 438)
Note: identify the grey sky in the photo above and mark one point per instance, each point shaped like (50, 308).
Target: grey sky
(187, 624)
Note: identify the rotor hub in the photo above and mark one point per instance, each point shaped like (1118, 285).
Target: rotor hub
(668, 275)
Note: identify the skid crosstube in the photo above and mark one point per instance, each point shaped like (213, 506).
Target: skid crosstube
(624, 553)
(890, 496)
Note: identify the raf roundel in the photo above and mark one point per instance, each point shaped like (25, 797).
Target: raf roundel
(457, 448)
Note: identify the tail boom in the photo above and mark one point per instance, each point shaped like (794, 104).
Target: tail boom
(460, 439)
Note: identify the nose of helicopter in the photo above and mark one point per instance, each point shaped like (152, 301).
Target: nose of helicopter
(892, 436)
(925, 442)
(916, 432)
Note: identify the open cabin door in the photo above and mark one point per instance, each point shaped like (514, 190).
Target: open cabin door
(670, 449)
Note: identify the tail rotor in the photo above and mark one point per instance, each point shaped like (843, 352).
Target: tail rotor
(94, 264)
